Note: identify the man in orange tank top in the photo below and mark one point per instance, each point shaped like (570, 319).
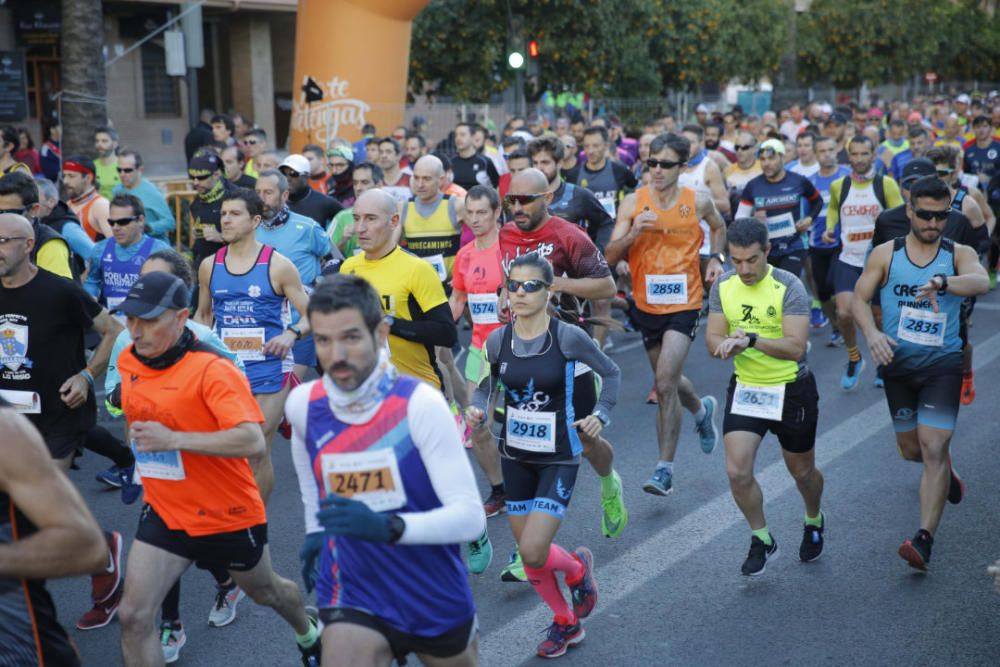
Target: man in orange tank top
(79, 174)
(658, 232)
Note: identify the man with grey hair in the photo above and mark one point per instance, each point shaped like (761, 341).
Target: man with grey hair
(159, 219)
(298, 238)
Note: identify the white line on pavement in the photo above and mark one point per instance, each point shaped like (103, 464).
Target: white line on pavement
(636, 568)
(987, 306)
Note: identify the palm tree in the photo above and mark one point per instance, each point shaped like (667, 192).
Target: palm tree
(82, 75)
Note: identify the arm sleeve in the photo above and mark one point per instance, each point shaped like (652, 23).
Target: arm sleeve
(84, 307)
(491, 171)
(833, 209)
(296, 411)
(435, 328)
(576, 344)
(600, 220)
(161, 221)
(460, 517)
(228, 393)
(54, 256)
(77, 239)
(93, 282)
(321, 246)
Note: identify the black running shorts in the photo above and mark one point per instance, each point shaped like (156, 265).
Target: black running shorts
(799, 417)
(401, 644)
(239, 550)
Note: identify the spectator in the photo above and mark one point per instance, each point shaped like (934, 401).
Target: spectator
(26, 151)
(199, 135)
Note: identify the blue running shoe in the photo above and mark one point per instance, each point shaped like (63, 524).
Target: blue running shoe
(660, 484)
(130, 489)
(112, 477)
(584, 592)
(836, 339)
(817, 320)
(852, 374)
(708, 434)
(879, 382)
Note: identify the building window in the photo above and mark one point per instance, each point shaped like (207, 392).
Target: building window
(159, 90)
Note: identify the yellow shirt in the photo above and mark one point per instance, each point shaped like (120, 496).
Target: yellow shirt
(54, 256)
(409, 287)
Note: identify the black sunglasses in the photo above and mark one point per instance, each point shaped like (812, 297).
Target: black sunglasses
(199, 178)
(530, 286)
(121, 222)
(523, 200)
(743, 147)
(126, 170)
(924, 214)
(945, 172)
(663, 164)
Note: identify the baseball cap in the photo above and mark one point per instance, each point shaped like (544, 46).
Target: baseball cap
(963, 99)
(837, 117)
(701, 108)
(206, 163)
(153, 294)
(297, 163)
(772, 145)
(916, 169)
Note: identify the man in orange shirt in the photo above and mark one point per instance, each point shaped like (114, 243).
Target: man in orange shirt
(193, 422)
(658, 231)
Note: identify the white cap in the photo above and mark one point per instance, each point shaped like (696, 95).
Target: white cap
(826, 108)
(297, 163)
(963, 99)
(701, 108)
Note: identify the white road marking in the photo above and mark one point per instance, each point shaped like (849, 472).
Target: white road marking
(639, 566)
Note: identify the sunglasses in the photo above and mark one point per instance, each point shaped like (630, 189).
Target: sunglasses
(945, 172)
(742, 147)
(523, 200)
(251, 142)
(924, 214)
(530, 286)
(289, 173)
(121, 222)
(199, 178)
(663, 164)
(126, 170)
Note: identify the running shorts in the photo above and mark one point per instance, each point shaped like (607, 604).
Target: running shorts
(822, 262)
(799, 417)
(792, 262)
(929, 396)
(239, 550)
(401, 644)
(654, 326)
(534, 487)
(845, 276)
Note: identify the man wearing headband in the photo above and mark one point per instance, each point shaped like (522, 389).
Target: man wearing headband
(79, 181)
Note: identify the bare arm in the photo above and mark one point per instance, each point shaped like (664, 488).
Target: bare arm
(717, 186)
(972, 279)
(879, 344)
(973, 211)
(716, 331)
(457, 302)
(75, 389)
(625, 233)
(99, 212)
(244, 440)
(68, 541)
(585, 288)
(204, 312)
(289, 283)
(709, 213)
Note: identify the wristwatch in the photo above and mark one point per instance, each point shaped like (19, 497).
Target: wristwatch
(601, 417)
(396, 528)
(295, 330)
(944, 282)
(752, 337)
(719, 256)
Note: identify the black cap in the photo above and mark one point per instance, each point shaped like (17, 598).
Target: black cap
(153, 294)
(837, 117)
(206, 163)
(917, 168)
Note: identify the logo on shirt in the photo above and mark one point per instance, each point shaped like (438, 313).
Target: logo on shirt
(14, 346)
(529, 399)
(684, 210)
(991, 154)
(254, 291)
(748, 315)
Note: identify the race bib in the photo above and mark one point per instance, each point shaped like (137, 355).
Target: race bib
(608, 203)
(531, 431)
(760, 402)
(247, 344)
(113, 303)
(781, 226)
(159, 465)
(25, 402)
(371, 477)
(923, 327)
(483, 308)
(437, 261)
(666, 290)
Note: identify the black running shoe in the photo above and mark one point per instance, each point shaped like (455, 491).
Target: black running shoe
(759, 554)
(812, 541)
(917, 552)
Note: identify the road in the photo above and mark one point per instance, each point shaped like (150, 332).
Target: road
(670, 587)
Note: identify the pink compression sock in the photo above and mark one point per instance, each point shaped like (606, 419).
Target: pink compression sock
(544, 581)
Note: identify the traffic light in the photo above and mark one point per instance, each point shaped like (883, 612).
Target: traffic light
(515, 52)
(533, 48)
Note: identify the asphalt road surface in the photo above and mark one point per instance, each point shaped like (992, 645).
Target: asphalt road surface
(670, 588)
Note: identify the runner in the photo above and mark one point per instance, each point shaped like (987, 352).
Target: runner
(471, 168)
(744, 170)
(759, 317)
(581, 272)
(193, 424)
(205, 172)
(397, 179)
(982, 155)
(78, 179)
(539, 439)
(478, 277)
(302, 199)
(920, 141)
(822, 255)
(411, 292)
(341, 231)
(805, 162)
(106, 165)
(317, 167)
(608, 179)
(777, 198)
(340, 185)
(233, 162)
(703, 175)
(375, 535)
(159, 218)
(856, 201)
(114, 262)
(922, 280)
(244, 291)
(658, 231)
(299, 239)
(46, 531)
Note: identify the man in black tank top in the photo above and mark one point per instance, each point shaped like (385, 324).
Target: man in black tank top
(30, 484)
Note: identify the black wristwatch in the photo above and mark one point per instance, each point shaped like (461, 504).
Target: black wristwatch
(944, 282)
(752, 337)
(719, 256)
(295, 330)
(396, 528)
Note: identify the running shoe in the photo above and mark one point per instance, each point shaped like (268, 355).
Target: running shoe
(956, 487)
(560, 636)
(817, 320)
(480, 554)
(652, 399)
(313, 655)
(760, 553)
(852, 373)
(836, 339)
(968, 388)
(513, 571)
(172, 640)
(614, 516)
(584, 592)
(660, 484)
(111, 477)
(708, 434)
(812, 541)
(917, 552)
(107, 583)
(224, 609)
(495, 504)
(879, 381)
(101, 613)
(131, 490)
